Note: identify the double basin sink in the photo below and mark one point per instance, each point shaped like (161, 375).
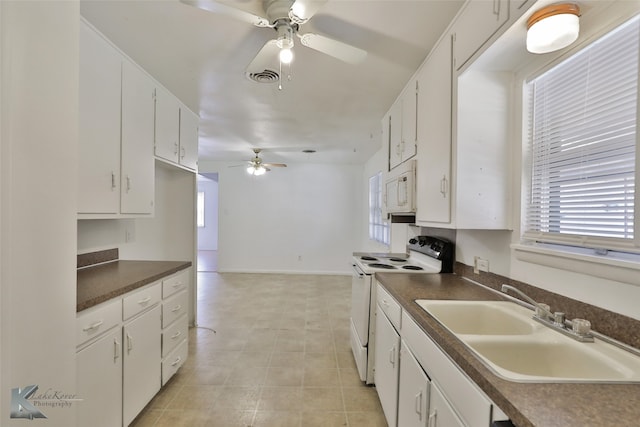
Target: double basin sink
(517, 348)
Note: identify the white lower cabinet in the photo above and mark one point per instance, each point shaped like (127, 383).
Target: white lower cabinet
(413, 393)
(99, 373)
(387, 358)
(441, 414)
(141, 364)
(127, 348)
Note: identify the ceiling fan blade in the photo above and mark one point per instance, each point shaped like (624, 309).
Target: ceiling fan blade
(264, 65)
(275, 165)
(339, 50)
(215, 7)
(302, 10)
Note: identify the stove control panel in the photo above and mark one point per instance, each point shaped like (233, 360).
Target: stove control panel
(435, 247)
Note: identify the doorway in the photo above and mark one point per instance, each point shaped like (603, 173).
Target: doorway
(207, 222)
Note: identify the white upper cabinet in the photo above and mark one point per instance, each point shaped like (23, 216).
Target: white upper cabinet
(138, 170)
(176, 131)
(402, 127)
(433, 175)
(188, 138)
(167, 143)
(479, 21)
(99, 125)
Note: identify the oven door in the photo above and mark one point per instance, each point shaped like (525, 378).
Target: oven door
(360, 298)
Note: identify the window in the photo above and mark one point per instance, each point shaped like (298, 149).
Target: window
(200, 209)
(378, 229)
(582, 147)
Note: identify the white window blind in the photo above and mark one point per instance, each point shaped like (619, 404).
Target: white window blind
(582, 136)
(378, 229)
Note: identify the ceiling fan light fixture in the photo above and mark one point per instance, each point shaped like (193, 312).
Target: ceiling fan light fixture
(553, 27)
(256, 170)
(286, 56)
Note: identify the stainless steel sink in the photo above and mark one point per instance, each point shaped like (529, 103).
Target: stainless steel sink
(508, 341)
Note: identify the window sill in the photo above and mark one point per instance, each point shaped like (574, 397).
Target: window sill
(593, 265)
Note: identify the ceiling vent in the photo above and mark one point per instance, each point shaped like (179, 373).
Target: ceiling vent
(266, 76)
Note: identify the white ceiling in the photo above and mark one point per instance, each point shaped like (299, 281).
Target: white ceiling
(330, 106)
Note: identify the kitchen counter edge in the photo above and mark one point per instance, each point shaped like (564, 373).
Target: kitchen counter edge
(103, 282)
(526, 404)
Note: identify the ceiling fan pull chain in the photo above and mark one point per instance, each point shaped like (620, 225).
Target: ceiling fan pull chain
(280, 75)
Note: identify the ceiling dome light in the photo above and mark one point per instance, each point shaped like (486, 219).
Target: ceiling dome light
(553, 27)
(286, 56)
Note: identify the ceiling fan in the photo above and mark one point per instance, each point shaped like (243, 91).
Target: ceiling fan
(258, 167)
(285, 17)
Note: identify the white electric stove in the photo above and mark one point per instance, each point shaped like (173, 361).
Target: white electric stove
(426, 255)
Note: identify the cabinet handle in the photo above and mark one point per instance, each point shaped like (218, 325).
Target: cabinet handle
(496, 10)
(129, 343)
(93, 326)
(177, 285)
(175, 148)
(144, 301)
(116, 350)
(433, 419)
(176, 308)
(443, 186)
(392, 356)
(128, 183)
(178, 360)
(183, 152)
(113, 181)
(418, 405)
(176, 335)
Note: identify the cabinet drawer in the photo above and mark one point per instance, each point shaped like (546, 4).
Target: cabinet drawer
(94, 321)
(390, 306)
(173, 308)
(138, 301)
(175, 283)
(469, 402)
(174, 361)
(173, 335)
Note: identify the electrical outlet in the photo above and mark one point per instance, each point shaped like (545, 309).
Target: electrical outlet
(480, 264)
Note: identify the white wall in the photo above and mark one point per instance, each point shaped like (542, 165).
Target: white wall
(208, 235)
(304, 218)
(39, 118)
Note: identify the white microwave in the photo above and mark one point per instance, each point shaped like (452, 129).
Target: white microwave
(400, 190)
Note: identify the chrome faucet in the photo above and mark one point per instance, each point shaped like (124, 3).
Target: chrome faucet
(580, 328)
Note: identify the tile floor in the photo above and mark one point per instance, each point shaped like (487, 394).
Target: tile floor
(270, 350)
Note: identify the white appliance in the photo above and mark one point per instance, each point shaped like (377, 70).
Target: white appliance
(426, 255)
(400, 190)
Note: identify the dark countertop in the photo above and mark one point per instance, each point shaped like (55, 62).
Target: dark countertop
(106, 281)
(527, 404)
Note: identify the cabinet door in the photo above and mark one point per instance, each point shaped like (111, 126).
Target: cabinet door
(395, 134)
(142, 363)
(188, 138)
(413, 393)
(99, 382)
(387, 358)
(98, 125)
(137, 193)
(167, 143)
(440, 412)
(409, 120)
(478, 22)
(433, 174)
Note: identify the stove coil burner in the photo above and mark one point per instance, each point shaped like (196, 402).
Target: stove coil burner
(368, 258)
(412, 267)
(378, 265)
(397, 260)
